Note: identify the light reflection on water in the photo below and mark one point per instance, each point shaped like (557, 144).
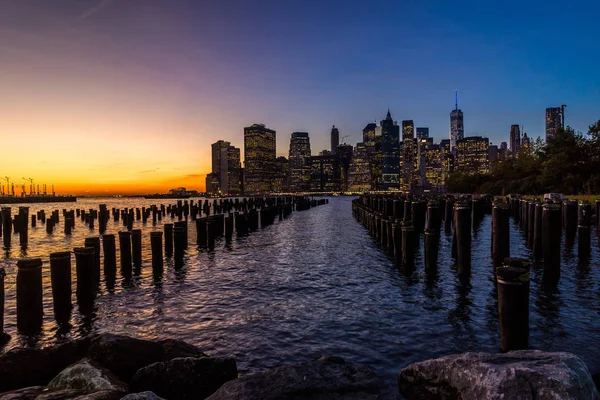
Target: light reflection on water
(315, 284)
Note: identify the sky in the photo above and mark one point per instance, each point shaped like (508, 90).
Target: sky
(126, 96)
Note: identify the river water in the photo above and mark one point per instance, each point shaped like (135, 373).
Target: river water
(313, 284)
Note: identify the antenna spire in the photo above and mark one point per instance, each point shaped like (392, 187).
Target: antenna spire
(456, 100)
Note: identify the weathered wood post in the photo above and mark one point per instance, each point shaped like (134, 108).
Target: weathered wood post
(6, 226)
(60, 276)
(157, 251)
(94, 242)
(551, 233)
(408, 246)
(168, 228)
(513, 304)
(125, 250)
(4, 337)
(500, 232)
(432, 240)
(462, 223)
(110, 255)
(30, 307)
(537, 231)
(397, 237)
(136, 247)
(178, 237)
(584, 220)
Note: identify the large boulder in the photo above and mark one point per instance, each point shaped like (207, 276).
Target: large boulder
(184, 378)
(124, 355)
(525, 374)
(328, 378)
(142, 396)
(89, 376)
(29, 393)
(24, 367)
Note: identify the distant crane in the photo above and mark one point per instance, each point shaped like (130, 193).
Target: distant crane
(7, 179)
(30, 185)
(344, 137)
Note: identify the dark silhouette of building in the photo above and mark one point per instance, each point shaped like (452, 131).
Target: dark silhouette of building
(225, 178)
(422, 133)
(281, 181)
(457, 129)
(493, 153)
(335, 139)
(344, 155)
(389, 131)
(259, 153)
(372, 145)
(525, 142)
(554, 121)
(515, 140)
(325, 173)
(408, 129)
(299, 160)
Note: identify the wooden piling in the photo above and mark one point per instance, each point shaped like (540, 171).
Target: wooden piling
(136, 247)
(157, 251)
(110, 255)
(513, 304)
(462, 223)
(60, 277)
(500, 233)
(30, 308)
(551, 233)
(125, 250)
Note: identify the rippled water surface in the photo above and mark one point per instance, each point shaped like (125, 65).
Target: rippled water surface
(315, 284)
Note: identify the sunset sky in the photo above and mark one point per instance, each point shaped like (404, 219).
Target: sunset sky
(126, 96)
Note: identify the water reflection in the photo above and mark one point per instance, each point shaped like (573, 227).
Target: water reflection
(315, 282)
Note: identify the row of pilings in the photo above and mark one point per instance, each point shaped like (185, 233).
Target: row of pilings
(97, 219)
(399, 222)
(241, 217)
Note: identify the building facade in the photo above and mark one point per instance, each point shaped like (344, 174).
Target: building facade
(335, 139)
(344, 155)
(359, 172)
(554, 121)
(259, 152)
(408, 129)
(422, 133)
(515, 140)
(225, 178)
(299, 162)
(472, 155)
(457, 128)
(390, 153)
(325, 173)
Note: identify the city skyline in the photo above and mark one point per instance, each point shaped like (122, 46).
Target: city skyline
(120, 96)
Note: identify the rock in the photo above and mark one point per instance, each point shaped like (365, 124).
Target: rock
(28, 393)
(24, 367)
(596, 378)
(62, 394)
(328, 378)
(124, 355)
(176, 349)
(524, 374)
(142, 396)
(184, 378)
(89, 376)
(101, 395)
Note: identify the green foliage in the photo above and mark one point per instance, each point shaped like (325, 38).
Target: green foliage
(568, 163)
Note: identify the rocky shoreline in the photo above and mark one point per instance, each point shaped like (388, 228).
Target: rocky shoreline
(112, 367)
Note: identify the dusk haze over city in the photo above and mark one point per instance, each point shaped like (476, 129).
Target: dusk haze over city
(126, 96)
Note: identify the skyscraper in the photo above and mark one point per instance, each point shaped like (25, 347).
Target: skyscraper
(325, 173)
(457, 130)
(372, 143)
(344, 155)
(390, 153)
(359, 172)
(525, 142)
(299, 160)
(259, 153)
(408, 129)
(225, 175)
(422, 133)
(335, 139)
(472, 155)
(554, 121)
(515, 140)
